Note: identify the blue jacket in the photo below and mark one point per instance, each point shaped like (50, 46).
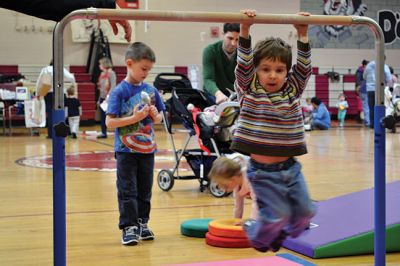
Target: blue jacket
(369, 75)
(321, 113)
(360, 82)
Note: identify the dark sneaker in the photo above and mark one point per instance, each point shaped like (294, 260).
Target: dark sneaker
(261, 249)
(102, 136)
(130, 235)
(146, 233)
(277, 244)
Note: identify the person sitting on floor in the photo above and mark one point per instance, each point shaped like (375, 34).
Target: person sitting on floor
(321, 118)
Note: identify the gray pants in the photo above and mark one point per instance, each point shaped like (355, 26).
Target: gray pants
(74, 124)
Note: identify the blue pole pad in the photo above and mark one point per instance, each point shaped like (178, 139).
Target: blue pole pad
(59, 202)
(380, 187)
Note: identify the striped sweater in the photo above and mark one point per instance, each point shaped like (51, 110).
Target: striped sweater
(270, 123)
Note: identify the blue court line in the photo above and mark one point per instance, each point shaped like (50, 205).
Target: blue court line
(295, 259)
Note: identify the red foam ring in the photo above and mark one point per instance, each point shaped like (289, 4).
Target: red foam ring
(226, 242)
(226, 232)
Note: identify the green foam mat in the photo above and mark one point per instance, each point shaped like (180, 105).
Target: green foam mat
(360, 244)
(195, 227)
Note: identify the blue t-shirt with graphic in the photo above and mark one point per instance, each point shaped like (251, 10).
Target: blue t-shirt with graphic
(138, 137)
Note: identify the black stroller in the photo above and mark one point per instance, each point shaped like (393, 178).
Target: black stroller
(213, 131)
(165, 82)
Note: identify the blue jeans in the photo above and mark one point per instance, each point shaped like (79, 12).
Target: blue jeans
(319, 124)
(48, 99)
(364, 100)
(283, 201)
(371, 105)
(134, 184)
(103, 119)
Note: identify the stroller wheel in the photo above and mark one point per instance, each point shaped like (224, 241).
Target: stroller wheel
(165, 180)
(217, 191)
(204, 183)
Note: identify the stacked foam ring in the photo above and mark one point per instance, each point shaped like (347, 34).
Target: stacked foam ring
(195, 227)
(227, 233)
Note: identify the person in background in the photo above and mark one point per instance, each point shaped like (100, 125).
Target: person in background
(44, 88)
(391, 93)
(56, 10)
(219, 62)
(308, 107)
(369, 76)
(73, 110)
(107, 82)
(321, 118)
(361, 89)
(307, 110)
(133, 108)
(394, 78)
(342, 106)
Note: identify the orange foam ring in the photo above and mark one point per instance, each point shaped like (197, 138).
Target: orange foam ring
(227, 228)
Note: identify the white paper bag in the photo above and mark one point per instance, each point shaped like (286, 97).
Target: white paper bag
(35, 113)
(104, 104)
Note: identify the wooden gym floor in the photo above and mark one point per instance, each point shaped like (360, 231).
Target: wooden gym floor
(340, 161)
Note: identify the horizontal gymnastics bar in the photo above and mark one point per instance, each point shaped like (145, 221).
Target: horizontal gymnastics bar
(196, 16)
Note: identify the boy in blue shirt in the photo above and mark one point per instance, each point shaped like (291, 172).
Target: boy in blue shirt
(133, 107)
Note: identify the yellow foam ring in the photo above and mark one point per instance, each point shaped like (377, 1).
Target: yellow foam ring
(227, 224)
(227, 228)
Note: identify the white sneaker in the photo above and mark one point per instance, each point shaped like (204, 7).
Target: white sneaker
(307, 127)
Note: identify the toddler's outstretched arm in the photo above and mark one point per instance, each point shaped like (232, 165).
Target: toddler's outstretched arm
(245, 68)
(245, 26)
(302, 29)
